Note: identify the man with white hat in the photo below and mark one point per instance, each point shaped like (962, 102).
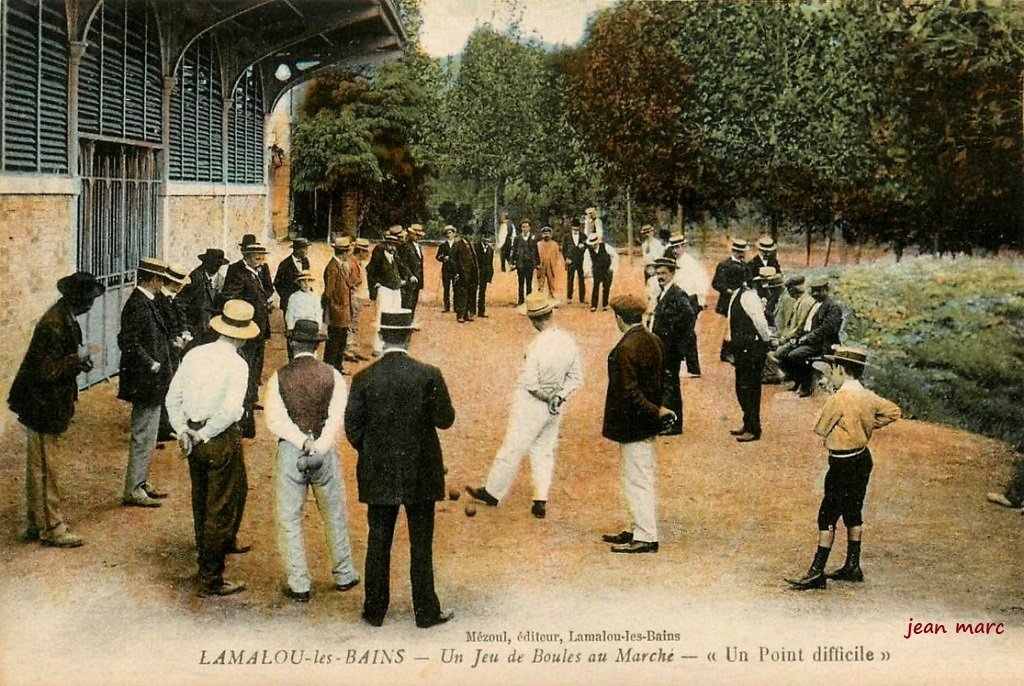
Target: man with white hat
(552, 372)
(305, 407)
(145, 372)
(43, 397)
(730, 274)
(751, 338)
(360, 296)
(766, 257)
(205, 403)
(245, 280)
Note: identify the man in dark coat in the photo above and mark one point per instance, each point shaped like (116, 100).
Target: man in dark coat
(751, 337)
(244, 282)
(574, 247)
(394, 409)
(43, 397)
(264, 269)
(464, 278)
(672, 322)
(730, 274)
(146, 371)
(601, 270)
(385, 276)
(525, 259)
(633, 415)
(197, 298)
(411, 254)
(765, 257)
(443, 256)
(285, 280)
(484, 250)
(820, 333)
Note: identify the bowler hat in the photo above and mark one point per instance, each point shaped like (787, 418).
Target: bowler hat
(152, 266)
(247, 239)
(300, 243)
(306, 330)
(79, 286)
(213, 256)
(236, 321)
(846, 353)
(399, 320)
(538, 305)
(666, 262)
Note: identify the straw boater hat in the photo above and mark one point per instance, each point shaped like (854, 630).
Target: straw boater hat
(766, 244)
(399, 320)
(646, 229)
(677, 239)
(305, 275)
(449, 228)
(236, 321)
(362, 244)
(254, 248)
(665, 262)
(306, 330)
(342, 244)
(213, 256)
(538, 305)
(177, 274)
(417, 230)
(393, 235)
(846, 353)
(153, 267)
(740, 245)
(79, 286)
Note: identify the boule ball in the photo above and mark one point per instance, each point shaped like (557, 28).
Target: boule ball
(470, 510)
(454, 494)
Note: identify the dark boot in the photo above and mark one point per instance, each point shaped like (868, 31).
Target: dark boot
(815, 576)
(850, 571)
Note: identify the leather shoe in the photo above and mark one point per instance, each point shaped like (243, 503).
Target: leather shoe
(806, 392)
(482, 495)
(297, 596)
(539, 509)
(152, 492)
(442, 617)
(31, 535)
(1000, 499)
(747, 437)
(737, 432)
(61, 538)
(138, 498)
(812, 580)
(346, 587)
(372, 621)
(224, 587)
(619, 538)
(845, 573)
(239, 549)
(636, 547)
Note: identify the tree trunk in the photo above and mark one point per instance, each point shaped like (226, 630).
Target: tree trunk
(349, 210)
(808, 245)
(330, 216)
(828, 243)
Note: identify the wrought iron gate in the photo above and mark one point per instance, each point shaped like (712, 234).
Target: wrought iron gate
(118, 222)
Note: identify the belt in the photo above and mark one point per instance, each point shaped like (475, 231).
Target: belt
(196, 426)
(846, 453)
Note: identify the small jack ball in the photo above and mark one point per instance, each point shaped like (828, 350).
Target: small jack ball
(470, 510)
(454, 494)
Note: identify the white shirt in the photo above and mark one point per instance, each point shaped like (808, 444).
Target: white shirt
(209, 386)
(751, 304)
(303, 305)
(652, 249)
(692, 278)
(281, 425)
(809, 322)
(552, 365)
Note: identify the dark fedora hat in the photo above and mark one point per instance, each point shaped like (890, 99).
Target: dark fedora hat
(79, 286)
(247, 239)
(398, 320)
(306, 330)
(213, 256)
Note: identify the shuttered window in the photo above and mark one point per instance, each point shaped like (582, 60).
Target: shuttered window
(33, 86)
(121, 83)
(196, 115)
(245, 130)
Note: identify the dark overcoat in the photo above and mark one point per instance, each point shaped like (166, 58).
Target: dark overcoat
(144, 338)
(633, 400)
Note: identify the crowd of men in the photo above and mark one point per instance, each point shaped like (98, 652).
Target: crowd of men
(192, 356)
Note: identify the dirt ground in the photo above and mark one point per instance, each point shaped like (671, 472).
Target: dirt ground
(734, 519)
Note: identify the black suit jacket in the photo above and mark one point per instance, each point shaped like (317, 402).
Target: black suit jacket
(284, 280)
(463, 261)
(395, 407)
(484, 261)
(674, 319)
(241, 284)
(388, 274)
(45, 388)
(825, 326)
(196, 300)
(413, 264)
(525, 255)
(633, 400)
(145, 338)
(574, 250)
(754, 266)
(729, 275)
(443, 255)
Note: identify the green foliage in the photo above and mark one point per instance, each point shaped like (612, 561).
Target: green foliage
(946, 339)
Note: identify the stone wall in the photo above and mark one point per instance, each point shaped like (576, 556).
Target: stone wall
(35, 252)
(212, 217)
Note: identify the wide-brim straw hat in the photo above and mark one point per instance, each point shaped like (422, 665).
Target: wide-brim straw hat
(538, 305)
(342, 243)
(765, 273)
(846, 353)
(362, 244)
(236, 321)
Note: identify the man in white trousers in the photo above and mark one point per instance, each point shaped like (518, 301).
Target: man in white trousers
(551, 373)
(305, 408)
